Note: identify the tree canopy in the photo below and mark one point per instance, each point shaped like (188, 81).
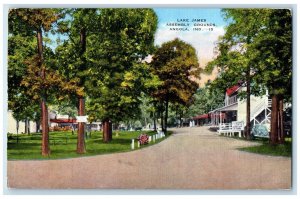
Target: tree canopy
(257, 49)
(120, 75)
(175, 63)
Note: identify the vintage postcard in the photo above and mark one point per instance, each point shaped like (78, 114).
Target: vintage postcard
(189, 98)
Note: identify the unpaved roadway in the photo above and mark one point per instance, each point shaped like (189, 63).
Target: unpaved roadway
(192, 158)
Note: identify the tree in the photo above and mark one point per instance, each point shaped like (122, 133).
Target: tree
(272, 51)
(235, 58)
(65, 107)
(20, 47)
(206, 99)
(148, 111)
(39, 79)
(73, 60)
(255, 50)
(119, 75)
(175, 62)
(37, 21)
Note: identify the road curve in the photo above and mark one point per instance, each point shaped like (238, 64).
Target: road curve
(192, 158)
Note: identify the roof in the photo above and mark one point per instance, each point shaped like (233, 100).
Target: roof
(63, 120)
(232, 90)
(204, 116)
(231, 107)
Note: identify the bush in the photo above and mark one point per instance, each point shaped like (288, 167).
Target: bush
(143, 139)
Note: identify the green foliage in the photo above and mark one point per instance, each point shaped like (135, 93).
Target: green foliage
(50, 84)
(255, 41)
(19, 49)
(205, 100)
(25, 20)
(23, 24)
(72, 58)
(26, 86)
(175, 62)
(272, 50)
(119, 76)
(65, 107)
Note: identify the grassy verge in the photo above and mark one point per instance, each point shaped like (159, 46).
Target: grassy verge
(63, 145)
(267, 149)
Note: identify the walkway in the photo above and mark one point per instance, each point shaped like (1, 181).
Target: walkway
(192, 158)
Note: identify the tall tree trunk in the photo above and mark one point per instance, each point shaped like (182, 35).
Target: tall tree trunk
(45, 129)
(248, 130)
(106, 125)
(44, 113)
(176, 115)
(162, 119)
(166, 115)
(180, 120)
(37, 127)
(18, 123)
(80, 132)
(26, 126)
(154, 120)
(104, 131)
(274, 120)
(280, 120)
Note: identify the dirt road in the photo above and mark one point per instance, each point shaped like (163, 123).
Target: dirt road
(192, 158)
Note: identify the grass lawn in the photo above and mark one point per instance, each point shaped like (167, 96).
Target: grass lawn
(267, 149)
(63, 144)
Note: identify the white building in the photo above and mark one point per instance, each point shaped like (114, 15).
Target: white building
(12, 124)
(234, 109)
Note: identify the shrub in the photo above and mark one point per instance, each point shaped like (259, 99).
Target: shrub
(143, 139)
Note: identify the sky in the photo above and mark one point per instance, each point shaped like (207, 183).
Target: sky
(202, 41)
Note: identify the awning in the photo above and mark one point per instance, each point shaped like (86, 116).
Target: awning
(63, 121)
(204, 116)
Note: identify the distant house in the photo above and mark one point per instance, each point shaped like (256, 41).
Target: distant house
(55, 122)
(234, 109)
(13, 126)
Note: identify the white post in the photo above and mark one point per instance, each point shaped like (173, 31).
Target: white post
(138, 144)
(215, 118)
(153, 138)
(132, 144)
(150, 138)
